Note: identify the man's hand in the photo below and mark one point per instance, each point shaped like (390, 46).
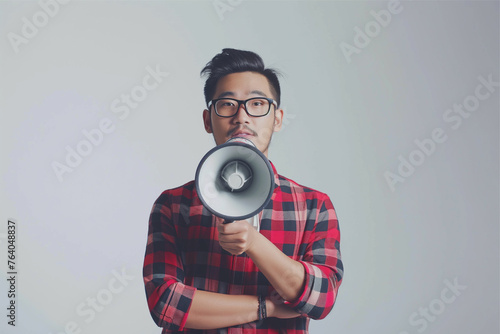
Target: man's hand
(236, 237)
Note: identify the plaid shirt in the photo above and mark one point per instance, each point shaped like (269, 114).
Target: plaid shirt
(183, 254)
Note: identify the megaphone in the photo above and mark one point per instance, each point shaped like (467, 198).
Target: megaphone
(234, 180)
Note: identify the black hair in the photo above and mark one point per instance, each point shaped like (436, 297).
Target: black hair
(233, 61)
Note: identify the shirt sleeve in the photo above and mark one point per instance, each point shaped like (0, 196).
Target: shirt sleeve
(168, 298)
(322, 263)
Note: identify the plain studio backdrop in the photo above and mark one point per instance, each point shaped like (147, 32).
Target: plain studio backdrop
(390, 108)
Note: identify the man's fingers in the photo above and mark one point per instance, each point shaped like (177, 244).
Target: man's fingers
(232, 228)
(232, 238)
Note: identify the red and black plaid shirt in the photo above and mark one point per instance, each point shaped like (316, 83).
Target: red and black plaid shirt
(183, 254)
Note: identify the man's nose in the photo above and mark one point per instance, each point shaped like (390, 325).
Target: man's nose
(241, 115)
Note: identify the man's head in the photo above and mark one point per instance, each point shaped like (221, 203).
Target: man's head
(238, 76)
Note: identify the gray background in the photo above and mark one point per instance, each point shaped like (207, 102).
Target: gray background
(346, 125)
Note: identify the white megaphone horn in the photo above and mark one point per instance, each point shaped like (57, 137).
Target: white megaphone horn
(235, 180)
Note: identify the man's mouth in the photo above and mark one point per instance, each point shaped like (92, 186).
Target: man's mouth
(242, 133)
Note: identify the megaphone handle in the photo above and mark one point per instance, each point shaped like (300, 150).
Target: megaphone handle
(227, 221)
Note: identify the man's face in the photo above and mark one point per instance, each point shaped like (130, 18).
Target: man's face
(259, 130)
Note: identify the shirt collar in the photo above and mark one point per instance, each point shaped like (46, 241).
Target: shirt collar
(276, 176)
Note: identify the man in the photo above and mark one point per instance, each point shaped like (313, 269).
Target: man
(203, 276)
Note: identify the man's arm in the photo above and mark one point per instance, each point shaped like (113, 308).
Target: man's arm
(210, 310)
(310, 285)
(287, 276)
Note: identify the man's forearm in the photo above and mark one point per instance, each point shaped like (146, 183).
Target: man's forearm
(210, 310)
(287, 276)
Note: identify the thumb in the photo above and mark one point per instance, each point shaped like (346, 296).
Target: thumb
(218, 221)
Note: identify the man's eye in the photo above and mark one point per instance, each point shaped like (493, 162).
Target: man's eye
(257, 103)
(226, 104)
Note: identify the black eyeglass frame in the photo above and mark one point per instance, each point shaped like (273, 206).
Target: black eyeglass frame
(244, 102)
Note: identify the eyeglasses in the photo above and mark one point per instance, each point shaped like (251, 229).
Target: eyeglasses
(256, 106)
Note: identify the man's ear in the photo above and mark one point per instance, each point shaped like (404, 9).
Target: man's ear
(207, 122)
(278, 119)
